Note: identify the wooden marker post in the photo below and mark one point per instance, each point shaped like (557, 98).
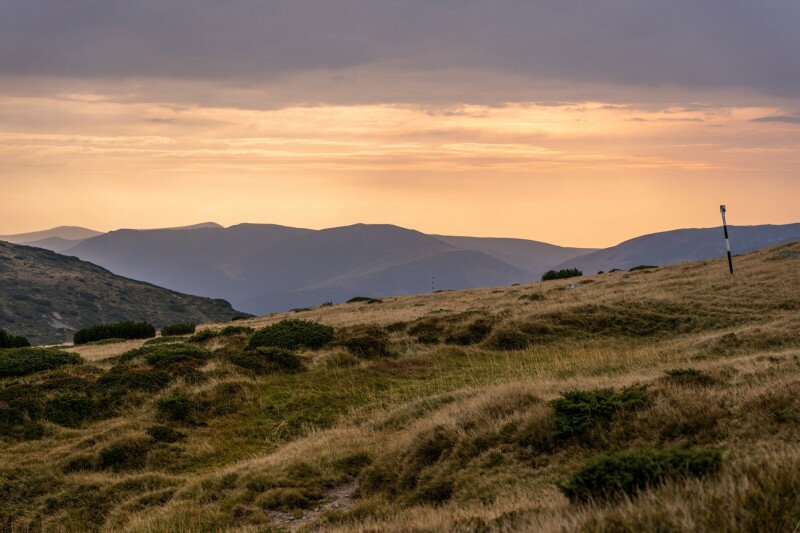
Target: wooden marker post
(723, 210)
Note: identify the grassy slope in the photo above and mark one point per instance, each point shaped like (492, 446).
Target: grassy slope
(278, 443)
(40, 290)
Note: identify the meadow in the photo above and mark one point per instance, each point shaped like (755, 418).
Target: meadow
(662, 399)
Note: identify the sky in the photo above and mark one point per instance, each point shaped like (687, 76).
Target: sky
(580, 123)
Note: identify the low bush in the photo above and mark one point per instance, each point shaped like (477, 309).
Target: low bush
(472, 334)
(121, 330)
(176, 407)
(184, 328)
(689, 377)
(203, 335)
(231, 331)
(126, 454)
(166, 434)
(626, 473)
(642, 267)
(292, 334)
(367, 343)
(509, 339)
(577, 412)
(11, 341)
(364, 299)
(24, 361)
(427, 338)
(561, 274)
(69, 409)
(267, 359)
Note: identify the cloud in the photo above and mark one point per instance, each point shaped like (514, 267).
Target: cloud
(355, 48)
(786, 119)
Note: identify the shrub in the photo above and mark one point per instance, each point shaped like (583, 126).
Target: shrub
(165, 434)
(473, 334)
(627, 473)
(121, 330)
(368, 343)
(359, 299)
(289, 498)
(24, 361)
(203, 335)
(291, 334)
(561, 274)
(127, 454)
(230, 331)
(267, 359)
(176, 407)
(10, 341)
(578, 411)
(184, 328)
(427, 338)
(69, 409)
(510, 339)
(169, 355)
(689, 376)
(642, 267)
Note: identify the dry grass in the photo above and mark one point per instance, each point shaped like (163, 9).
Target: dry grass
(443, 437)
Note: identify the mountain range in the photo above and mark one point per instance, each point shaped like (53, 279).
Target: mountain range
(46, 297)
(262, 268)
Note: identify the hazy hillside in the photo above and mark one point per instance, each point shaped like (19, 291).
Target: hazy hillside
(45, 297)
(70, 233)
(266, 268)
(677, 246)
(531, 256)
(527, 408)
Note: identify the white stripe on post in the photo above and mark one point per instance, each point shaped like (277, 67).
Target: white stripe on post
(724, 210)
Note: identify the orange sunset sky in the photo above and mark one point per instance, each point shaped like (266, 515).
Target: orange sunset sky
(579, 125)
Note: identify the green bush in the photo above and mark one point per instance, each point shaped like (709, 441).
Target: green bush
(578, 411)
(642, 267)
(427, 338)
(267, 359)
(364, 299)
(165, 434)
(367, 343)
(127, 454)
(626, 473)
(561, 274)
(10, 341)
(230, 331)
(292, 334)
(472, 334)
(24, 361)
(689, 377)
(176, 407)
(510, 339)
(184, 328)
(121, 330)
(203, 335)
(69, 409)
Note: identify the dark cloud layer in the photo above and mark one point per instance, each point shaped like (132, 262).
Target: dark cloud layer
(694, 44)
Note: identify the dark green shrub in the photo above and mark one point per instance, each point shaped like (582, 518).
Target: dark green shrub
(169, 355)
(69, 409)
(230, 331)
(165, 434)
(642, 267)
(359, 299)
(176, 407)
(290, 498)
(121, 330)
(367, 343)
(473, 334)
(128, 454)
(11, 341)
(510, 339)
(627, 473)
(689, 377)
(184, 328)
(266, 360)
(203, 335)
(427, 338)
(561, 274)
(24, 361)
(578, 411)
(292, 334)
